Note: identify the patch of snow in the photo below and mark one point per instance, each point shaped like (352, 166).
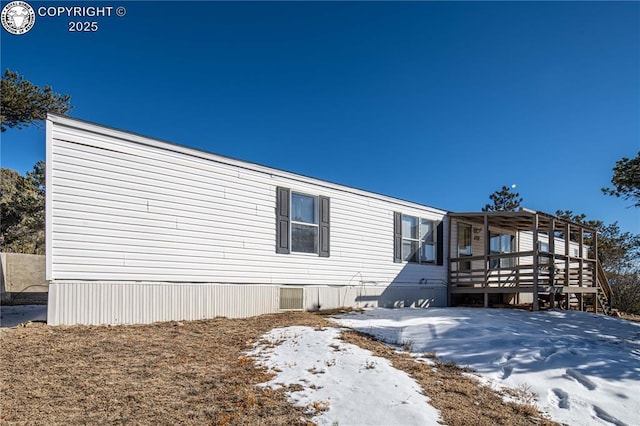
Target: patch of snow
(11, 316)
(584, 368)
(341, 383)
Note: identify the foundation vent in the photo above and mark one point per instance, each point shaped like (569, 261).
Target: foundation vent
(291, 299)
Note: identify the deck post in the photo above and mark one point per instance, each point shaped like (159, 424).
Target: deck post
(536, 253)
(581, 303)
(552, 251)
(581, 260)
(596, 284)
(552, 293)
(567, 251)
(448, 257)
(487, 249)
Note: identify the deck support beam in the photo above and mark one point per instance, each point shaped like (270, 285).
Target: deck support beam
(595, 272)
(536, 259)
(552, 249)
(581, 261)
(567, 252)
(487, 250)
(581, 299)
(448, 258)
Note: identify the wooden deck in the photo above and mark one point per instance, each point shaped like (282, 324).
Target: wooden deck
(569, 272)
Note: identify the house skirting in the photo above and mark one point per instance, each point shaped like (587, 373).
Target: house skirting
(95, 303)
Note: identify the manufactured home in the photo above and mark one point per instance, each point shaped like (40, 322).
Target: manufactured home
(141, 230)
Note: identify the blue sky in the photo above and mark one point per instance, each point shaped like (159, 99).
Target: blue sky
(440, 103)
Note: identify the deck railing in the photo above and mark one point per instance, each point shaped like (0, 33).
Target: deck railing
(517, 270)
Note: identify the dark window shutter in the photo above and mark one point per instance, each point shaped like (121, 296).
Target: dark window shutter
(440, 244)
(282, 220)
(324, 226)
(397, 237)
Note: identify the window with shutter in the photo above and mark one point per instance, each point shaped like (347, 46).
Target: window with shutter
(417, 240)
(302, 223)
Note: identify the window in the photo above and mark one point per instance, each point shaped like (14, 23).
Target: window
(428, 248)
(499, 244)
(418, 245)
(302, 223)
(410, 239)
(543, 248)
(465, 248)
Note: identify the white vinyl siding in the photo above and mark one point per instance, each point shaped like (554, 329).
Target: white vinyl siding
(126, 208)
(526, 244)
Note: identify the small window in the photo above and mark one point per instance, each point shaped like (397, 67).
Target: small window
(304, 223)
(418, 243)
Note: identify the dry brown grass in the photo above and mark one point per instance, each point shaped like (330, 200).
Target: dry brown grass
(191, 373)
(165, 373)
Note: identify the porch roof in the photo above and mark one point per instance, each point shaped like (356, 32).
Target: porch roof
(521, 220)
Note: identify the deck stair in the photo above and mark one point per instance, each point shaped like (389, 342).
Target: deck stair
(602, 298)
(604, 291)
(604, 304)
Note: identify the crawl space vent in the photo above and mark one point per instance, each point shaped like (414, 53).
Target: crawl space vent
(291, 299)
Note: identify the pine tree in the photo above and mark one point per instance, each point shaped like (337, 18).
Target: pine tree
(22, 211)
(503, 201)
(22, 198)
(626, 180)
(24, 103)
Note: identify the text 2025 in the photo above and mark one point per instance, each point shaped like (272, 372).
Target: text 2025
(83, 26)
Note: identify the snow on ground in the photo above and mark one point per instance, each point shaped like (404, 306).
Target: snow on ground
(584, 368)
(10, 316)
(339, 382)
